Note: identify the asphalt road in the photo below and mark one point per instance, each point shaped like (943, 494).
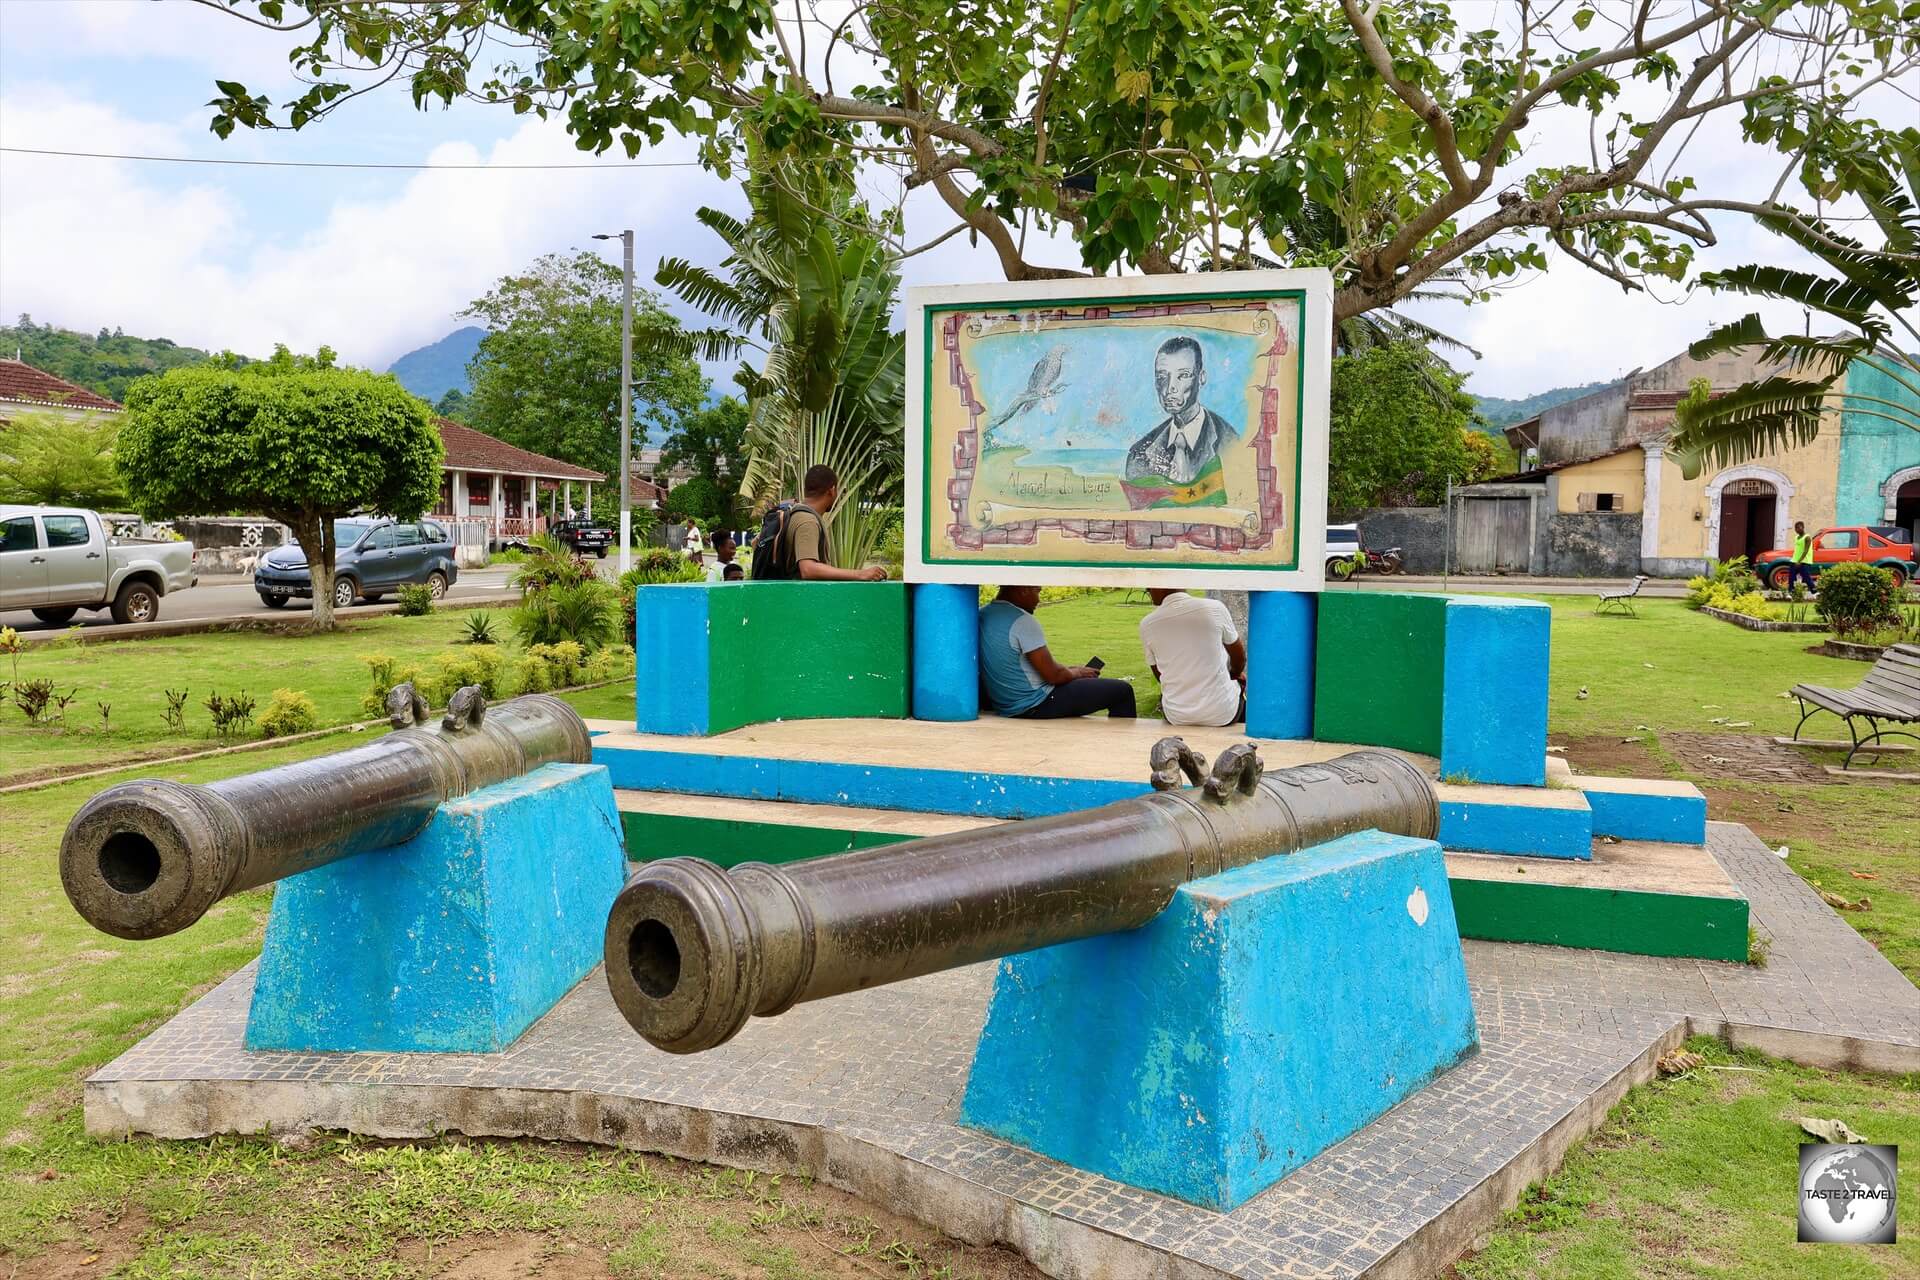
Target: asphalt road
(235, 598)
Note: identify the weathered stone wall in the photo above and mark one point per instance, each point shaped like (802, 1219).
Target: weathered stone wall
(1419, 532)
(1600, 544)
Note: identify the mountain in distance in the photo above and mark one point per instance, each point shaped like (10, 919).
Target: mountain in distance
(107, 362)
(1500, 412)
(437, 368)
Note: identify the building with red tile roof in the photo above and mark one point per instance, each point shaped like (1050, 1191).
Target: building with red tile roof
(488, 480)
(24, 388)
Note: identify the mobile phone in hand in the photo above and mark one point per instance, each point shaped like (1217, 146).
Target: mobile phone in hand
(1096, 664)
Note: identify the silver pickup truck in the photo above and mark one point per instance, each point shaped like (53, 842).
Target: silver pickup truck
(57, 561)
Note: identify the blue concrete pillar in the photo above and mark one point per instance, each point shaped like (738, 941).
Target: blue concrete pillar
(1493, 715)
(1268, 1013)
(1280, 646)
(454, 941)
(946, 651)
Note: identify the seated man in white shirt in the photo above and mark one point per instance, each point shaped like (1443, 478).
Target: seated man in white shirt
(1198, 658)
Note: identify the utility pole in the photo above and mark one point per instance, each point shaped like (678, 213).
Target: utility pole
(626, 396)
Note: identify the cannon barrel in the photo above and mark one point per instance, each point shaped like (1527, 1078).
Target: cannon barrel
(692, 951)
(148, 858)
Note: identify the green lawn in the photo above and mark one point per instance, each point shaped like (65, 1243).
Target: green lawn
(1694, 1176)
(131, 677)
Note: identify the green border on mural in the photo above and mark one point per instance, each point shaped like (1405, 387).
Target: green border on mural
(1299, 297)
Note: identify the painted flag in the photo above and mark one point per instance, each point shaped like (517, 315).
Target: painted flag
(1152, 493)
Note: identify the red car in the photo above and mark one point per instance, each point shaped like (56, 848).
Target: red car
(1845, 544)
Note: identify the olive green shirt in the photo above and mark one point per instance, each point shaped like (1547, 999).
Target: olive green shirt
(809, 534)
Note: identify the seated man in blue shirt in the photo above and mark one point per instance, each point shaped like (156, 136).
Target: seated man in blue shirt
(1020, 677)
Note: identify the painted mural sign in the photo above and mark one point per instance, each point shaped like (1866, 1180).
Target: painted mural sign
(1156, 431)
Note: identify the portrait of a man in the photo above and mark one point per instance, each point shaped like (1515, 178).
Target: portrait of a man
(1190, 437)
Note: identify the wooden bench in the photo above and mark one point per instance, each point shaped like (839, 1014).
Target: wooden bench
(1622, 600)
(1890, 692)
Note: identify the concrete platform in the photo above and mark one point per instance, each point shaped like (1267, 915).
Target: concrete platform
(1644, 897)
(1094, 747)
(861, 1091)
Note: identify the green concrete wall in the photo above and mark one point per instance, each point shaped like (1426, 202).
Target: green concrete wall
(1378, 667)
(730, 842)
(1646, 924)
(805, 651)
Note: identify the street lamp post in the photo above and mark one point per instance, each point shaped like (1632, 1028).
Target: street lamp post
(626, 395)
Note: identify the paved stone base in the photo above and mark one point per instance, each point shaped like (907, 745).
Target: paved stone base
(861, 1092)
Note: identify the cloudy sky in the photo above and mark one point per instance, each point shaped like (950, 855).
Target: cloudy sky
(375, 263)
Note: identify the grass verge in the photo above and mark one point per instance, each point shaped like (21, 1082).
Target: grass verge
(1695, 1176)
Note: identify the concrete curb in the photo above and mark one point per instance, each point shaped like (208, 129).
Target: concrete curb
(245, 622)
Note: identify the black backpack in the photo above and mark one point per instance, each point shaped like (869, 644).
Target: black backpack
(773, 550)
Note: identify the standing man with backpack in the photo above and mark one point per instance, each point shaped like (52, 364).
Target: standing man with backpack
(793, 537)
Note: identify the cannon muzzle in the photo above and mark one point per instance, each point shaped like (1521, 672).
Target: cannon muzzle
(148, 858)
(692, 950)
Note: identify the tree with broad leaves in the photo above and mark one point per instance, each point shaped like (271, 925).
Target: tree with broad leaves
(1391, 442)
(1170, 136)
(713, 442)
(547, 375)
(293, 438)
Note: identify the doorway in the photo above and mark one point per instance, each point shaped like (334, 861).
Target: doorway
(1906, 508)
(1747, 510)
(1495, 535)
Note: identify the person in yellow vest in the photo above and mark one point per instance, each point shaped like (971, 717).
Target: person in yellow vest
(1802, 555)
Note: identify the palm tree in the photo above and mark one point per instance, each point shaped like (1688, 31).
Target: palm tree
(808, 282)
(1870, 291)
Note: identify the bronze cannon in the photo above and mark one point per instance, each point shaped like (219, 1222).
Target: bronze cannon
(148, 858)
(692, 951)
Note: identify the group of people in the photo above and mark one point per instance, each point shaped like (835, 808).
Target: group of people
(1191, 645)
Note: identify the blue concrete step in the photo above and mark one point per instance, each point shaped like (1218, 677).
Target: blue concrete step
(1646, 809)
(1535, 822)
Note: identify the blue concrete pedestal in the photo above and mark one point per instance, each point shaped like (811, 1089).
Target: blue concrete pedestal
(1280, 657)
(946, 651)
(455, 941)
(1266, 1014)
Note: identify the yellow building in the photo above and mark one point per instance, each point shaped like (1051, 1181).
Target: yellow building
(1603, 457)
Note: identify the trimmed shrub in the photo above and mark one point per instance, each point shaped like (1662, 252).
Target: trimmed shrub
(480, 665)
(1856, 597)
(415, 600)
(290, 712)
(611, 663)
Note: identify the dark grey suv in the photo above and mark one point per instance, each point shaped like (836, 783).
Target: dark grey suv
(375, 557)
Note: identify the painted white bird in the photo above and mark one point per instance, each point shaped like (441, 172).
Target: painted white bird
(1042, 385)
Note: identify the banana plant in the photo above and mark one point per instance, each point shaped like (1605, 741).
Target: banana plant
(1870, 291)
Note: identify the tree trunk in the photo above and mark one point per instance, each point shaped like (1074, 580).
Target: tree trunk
(316, 538)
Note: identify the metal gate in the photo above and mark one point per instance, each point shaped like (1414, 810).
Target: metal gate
(1495, 535)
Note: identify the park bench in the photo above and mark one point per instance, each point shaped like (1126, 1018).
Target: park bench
(1622, 600)
(1890, 692)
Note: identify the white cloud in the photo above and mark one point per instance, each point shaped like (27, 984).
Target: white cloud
(94, 242)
